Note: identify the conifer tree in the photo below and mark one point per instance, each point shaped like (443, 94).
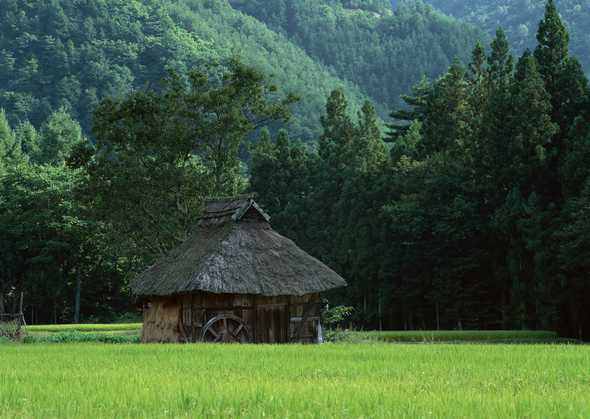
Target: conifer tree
(477, 65)
(448, 112)
(531, 125)
(337, 130)
(500, 61)
(553, 47)
(368, 145)
(415, 110)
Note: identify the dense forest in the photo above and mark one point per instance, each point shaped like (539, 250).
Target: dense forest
(477, 215)
(364, 42)
(59, 54)
(63, 54)
(468, 210)
(520, 18)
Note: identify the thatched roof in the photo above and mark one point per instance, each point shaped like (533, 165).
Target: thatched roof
(233, 250)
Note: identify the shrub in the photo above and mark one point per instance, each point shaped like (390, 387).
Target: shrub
(79, 337)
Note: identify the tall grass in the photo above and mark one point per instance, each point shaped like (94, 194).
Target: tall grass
(329, 381)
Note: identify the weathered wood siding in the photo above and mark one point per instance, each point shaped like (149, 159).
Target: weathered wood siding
(161, 317)
(267, 319)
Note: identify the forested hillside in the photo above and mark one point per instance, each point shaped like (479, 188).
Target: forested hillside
(364, 42)
(520, 18)
(56, 54)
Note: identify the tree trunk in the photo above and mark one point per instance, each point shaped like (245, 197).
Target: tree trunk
(437, 316)
(2, 307)
(380, 315)
(77, 298)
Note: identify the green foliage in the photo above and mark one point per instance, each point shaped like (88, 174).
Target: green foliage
(77, 337)
(335, 316)
(470, 336)
(520, 19)
(61, 55)
(11, 152)
(60, 135)
(463, 226)
(65, 328)
(364, 42)
(182, 143)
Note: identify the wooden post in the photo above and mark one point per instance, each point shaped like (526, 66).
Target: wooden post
(20, 306)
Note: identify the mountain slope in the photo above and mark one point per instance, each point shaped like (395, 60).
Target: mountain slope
(520, 19)
(59, 53)
(384, 53)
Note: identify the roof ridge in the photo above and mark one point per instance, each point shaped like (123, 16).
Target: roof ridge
(252, 195)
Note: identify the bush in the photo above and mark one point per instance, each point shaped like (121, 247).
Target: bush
(56, 328)
(447, 336)
(79, 337)
(335, 316)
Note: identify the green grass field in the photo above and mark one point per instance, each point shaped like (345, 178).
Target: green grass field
(328, 381)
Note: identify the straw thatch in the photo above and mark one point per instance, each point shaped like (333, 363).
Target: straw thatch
(233, 250)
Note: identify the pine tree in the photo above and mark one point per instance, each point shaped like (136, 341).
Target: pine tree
(368, 146)
(338, 132)
(416, 104)
(448, 113)
(500, 61)
(477, 66)
(530, 123)
(553, 47)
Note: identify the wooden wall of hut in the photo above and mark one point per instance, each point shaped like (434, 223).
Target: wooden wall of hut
(161, 317)
(240, 318)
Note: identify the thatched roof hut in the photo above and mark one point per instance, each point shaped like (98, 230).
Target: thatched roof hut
(234, 273)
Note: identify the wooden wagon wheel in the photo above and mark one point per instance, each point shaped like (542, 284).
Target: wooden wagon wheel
(225, 328)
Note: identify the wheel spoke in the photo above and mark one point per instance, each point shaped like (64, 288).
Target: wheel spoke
(237, 331)
(225, 328)
(213, 332)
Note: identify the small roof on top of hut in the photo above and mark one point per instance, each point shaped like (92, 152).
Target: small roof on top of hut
(233, 250)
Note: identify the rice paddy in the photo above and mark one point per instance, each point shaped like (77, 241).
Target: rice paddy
(329, 381)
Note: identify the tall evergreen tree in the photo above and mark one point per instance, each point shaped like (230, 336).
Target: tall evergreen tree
(553, 47)
(500, 61)
(448, 112)
(415, 110)
(368, 145)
